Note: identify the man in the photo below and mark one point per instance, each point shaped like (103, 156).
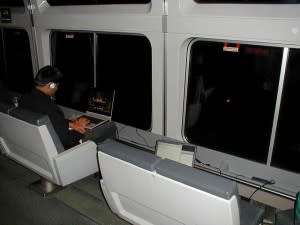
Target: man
(40, 100)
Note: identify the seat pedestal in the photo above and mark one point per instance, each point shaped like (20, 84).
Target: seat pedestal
(45, 187)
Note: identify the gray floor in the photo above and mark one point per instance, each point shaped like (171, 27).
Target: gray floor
(79, 203)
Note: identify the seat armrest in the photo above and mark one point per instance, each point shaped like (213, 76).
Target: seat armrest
(202, 180)
(76, 163)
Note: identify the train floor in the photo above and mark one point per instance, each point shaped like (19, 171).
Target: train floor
(81, 203)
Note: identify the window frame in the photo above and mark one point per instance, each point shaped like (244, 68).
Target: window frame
(277, 146)
(104, 2)
(246, 2)
(96, 46)
(235, 167)
(277, 97)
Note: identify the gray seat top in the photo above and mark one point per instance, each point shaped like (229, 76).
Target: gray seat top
(129, 154)
(199, 179)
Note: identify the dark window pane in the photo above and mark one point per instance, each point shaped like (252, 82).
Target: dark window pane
(286, 153)
(73, 55)
(19, 72)
(124, 64)
(96, 2)
(2, 69)
(231, 97)
(11, 3)
(250, 1)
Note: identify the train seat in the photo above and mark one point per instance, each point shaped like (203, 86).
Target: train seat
(145, 189)
(29, 138)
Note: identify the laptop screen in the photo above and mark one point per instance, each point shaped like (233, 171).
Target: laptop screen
(101, 101)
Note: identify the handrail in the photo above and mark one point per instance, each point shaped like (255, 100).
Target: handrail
(242, 181)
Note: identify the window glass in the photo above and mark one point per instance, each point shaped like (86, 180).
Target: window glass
(11, 3)
(124, 64)
(19, 71)
(2, 69)
(287, 145)
(250, 1)
(231, 97)
(73, 55)
(95, 2)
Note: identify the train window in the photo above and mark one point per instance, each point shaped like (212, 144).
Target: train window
(11, 3)
(250, 1)
(124, 63)
(287, 146)
(73, 54)
(18, 76)
(2, 70)
(95, 2)
(231, 97)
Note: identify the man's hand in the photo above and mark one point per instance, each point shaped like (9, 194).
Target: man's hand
(79, 124)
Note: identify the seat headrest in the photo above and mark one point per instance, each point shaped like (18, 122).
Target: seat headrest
(129, 154)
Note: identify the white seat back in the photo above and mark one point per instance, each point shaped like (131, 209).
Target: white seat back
(141, 188)
(30, 139)
(29, 144)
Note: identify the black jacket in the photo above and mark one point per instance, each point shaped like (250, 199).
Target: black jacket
(39, 102)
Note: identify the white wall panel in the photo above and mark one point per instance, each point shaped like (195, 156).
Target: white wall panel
(272, 23)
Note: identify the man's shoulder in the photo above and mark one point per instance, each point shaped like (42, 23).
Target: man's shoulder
(35, 95)
(36, 101)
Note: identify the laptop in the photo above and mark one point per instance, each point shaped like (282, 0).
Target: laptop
(176, 151)
(99, 107)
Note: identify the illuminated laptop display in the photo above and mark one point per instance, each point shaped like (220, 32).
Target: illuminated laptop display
(99, 107)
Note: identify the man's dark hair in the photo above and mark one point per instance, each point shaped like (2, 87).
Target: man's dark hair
(48, 74)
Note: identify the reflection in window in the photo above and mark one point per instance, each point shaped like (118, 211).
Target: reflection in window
(18, 76)
(231, 97)
(124, 64)
(73, 55)
(249, 1)
(286, 153)
(95, 2)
